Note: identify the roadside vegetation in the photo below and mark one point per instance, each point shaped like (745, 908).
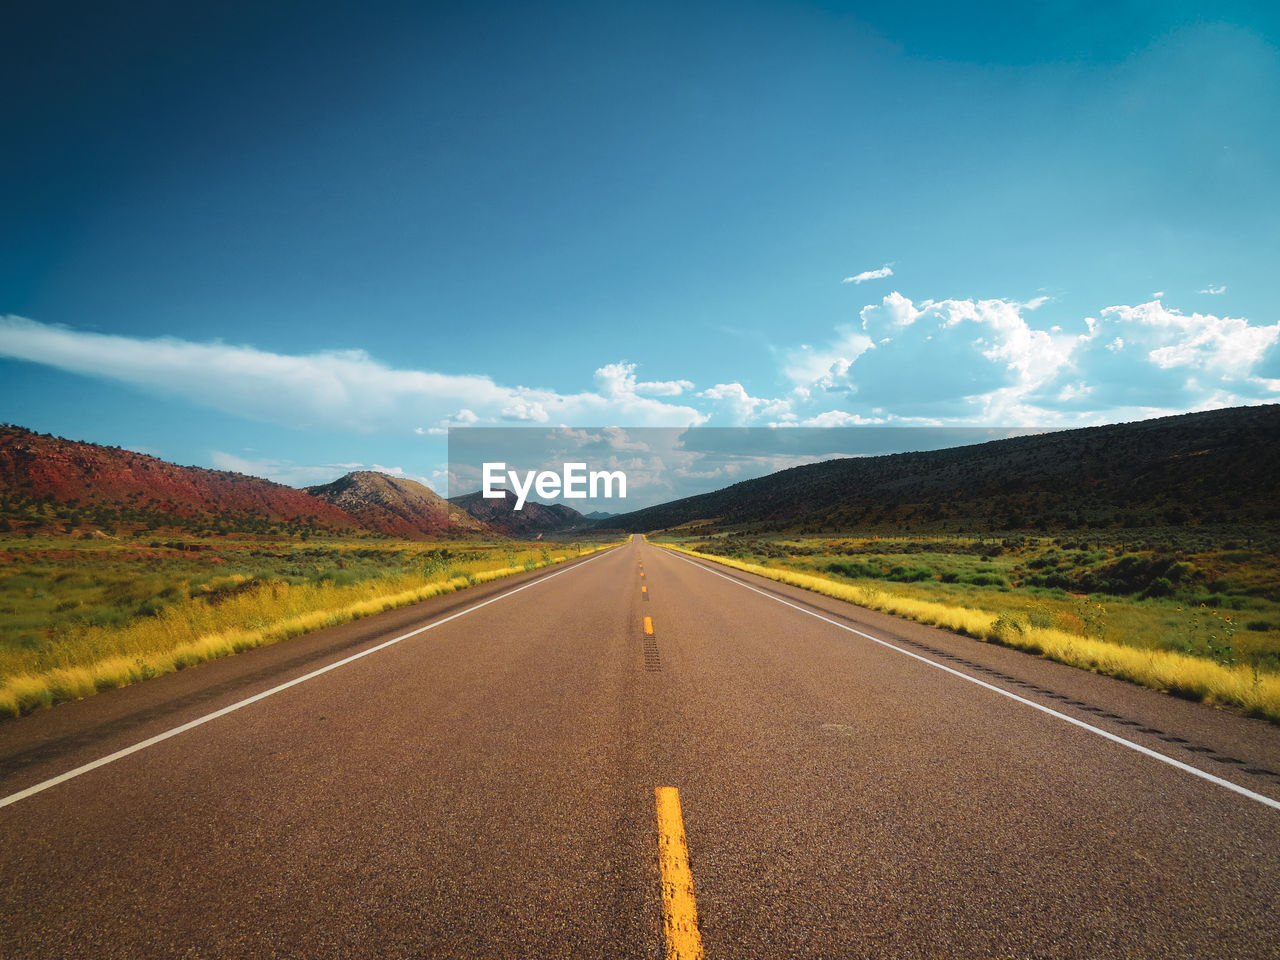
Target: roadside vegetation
(78, 616)
(1196, 620)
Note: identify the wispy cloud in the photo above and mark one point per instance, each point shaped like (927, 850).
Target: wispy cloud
(1214, 291)
(347, 390)
(958, 361)
(885, 271)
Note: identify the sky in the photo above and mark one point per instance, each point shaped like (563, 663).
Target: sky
(294, 239)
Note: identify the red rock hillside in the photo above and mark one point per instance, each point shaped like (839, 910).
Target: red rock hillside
(133, 488)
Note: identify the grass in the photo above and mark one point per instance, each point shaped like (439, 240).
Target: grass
(1190, 651)
(77, 619)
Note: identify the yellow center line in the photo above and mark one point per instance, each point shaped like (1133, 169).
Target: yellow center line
(680, 913)
(644, 589)
(648, 626)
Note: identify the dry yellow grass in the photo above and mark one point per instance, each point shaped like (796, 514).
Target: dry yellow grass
(1190, 677)
(99, 658)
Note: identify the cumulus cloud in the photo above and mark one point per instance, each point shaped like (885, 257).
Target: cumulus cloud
(892, 313)
(741, 407)
(826, 366)
(1229, 347)
(989, 361)
(866, 275)
(953, 358)
(348, 390)
(525, 408)
(619, 380)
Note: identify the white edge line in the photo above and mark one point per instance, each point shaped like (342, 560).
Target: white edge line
(192, 724)
(1147, 751)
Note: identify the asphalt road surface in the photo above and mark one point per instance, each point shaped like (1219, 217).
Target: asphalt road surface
(849, 784)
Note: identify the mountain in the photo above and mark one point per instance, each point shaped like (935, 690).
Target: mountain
(110, 487)
(599, 515)
(1220, 466)
(398, 506)
(528, 522)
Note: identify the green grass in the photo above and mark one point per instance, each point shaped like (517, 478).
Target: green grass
(78, 617)
(1213, 637)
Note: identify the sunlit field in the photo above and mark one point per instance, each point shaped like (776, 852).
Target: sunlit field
(1204, 624)
(80, 616)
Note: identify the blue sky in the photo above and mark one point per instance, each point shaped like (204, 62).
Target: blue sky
(291, 239)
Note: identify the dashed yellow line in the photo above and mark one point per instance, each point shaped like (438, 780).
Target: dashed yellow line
(644, 589)
(648, 626)
(680, 912)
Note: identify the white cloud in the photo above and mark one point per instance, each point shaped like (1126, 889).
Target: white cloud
(741, 406)
(952, 361)
(1213, 291)
(894, 312)
(1074, 391)
(346, 390)
(809, 367)
(987, 361)
(463, 418)
(1227, 346)
(834, 418)
(617, 379)
(664, 388)
(866, 275)
(955, 359)
(523, 408)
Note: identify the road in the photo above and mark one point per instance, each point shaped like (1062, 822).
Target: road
(849, 784)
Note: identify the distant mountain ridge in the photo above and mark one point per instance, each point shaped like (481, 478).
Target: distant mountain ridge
(396, 505)
(1215, 467)
(1219, 466)
(528, 522)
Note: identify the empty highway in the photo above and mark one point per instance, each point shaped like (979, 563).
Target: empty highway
(508, 772)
